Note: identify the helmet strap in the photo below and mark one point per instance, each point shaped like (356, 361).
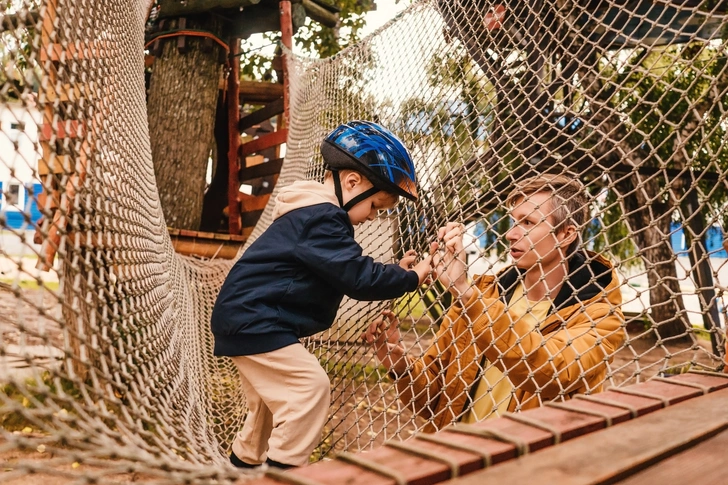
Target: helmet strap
(339, 193)
(337, 186)
(364, 195)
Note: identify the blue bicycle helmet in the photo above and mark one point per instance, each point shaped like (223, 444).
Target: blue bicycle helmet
(376, 153)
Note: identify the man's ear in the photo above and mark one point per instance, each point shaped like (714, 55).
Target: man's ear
(570, 233)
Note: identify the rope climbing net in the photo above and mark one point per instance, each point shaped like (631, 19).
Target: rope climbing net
(106, 365)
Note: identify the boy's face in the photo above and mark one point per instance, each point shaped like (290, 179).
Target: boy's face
(367, 209)
(532, 238)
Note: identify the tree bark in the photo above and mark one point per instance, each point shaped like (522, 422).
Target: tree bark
(648, 221)
(183, 96)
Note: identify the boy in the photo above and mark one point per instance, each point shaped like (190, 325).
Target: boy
(542, 329)
(291, 280)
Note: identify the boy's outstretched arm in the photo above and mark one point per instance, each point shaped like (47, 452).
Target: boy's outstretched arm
(328, 249)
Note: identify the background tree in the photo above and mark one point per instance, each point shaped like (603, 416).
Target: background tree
(642, 127)
(187, 75)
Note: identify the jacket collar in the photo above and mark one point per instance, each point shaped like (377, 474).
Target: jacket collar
(589, 276)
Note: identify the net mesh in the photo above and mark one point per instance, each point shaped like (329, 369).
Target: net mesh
(106, 365)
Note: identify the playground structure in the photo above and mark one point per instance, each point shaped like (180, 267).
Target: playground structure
(627, 95)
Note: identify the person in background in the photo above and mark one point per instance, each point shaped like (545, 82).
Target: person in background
(544, 328)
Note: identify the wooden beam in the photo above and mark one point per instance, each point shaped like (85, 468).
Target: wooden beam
(262, 185)
(177, 8)
(262, 18)
(250, 219)
(206, 244)
(332, 8)
(74, 50)
(620, 451)
(233, 143)
(320, 14)
(287, 41)
(63, 129)
(251, 203)
(266, 141)
(254, 92)
(272, 167)
(256, 117)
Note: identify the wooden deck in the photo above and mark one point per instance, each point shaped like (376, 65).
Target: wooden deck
(667, 430)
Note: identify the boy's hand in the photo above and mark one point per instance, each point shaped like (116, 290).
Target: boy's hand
(408, 260)
(424, 270)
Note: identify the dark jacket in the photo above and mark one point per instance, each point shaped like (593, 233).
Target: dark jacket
(291, 280)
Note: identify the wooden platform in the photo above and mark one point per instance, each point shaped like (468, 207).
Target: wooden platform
(206, 245)
(668, 430)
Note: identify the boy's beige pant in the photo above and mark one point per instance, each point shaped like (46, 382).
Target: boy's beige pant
(288, 398)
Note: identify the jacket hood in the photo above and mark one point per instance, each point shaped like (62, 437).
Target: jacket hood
(591, 276)
(303, 193)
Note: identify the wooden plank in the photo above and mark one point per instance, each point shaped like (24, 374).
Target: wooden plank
(54, 164)
(175, 8)
(253, 92)
(250, 219)
(233, 112)
(712, 382)
(246, 232)
(701, 464)
(261, 143)
(250, 203)
(205, 248)
(617, 452)
(550, 421)
(320, 14)
(64, 129)
(263, 185)
(67, 92)
(73, 51)
(274, 108)
(272, 167)
(287, 41)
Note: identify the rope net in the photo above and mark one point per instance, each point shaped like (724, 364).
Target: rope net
(106, 365)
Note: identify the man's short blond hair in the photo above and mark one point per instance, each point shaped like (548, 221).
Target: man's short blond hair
(569, 201)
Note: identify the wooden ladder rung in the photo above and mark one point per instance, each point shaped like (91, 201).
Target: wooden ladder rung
(64, 129)
(266, 141)
(266, 169)
(267, 112)
(250, 203)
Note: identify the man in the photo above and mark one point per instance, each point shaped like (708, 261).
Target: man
(542, 329)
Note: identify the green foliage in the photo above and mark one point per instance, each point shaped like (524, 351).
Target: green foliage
(317, 40)
(672, 101)
(31, 395)
(18, 69)
(313, 39)
(610, 233)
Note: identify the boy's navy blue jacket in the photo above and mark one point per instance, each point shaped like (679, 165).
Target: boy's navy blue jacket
(291, 280)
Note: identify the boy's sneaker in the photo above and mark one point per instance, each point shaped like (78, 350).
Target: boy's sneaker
(278, 465)
(237, 462)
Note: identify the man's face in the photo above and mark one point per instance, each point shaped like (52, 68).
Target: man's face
(531, 237)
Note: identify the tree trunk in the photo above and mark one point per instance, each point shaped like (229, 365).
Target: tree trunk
(216, 197)
(694, 229)
(183, 96)
(648, 221)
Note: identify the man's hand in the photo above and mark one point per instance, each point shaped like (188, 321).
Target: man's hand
(384, 335)
(384, 329)
(449, 260)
